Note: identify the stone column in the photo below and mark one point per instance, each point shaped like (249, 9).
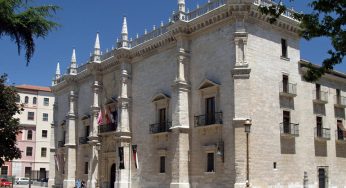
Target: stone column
(242, 102)
(180, 118)
(70, 163)
(93, 176)
(52, 164)
(123, 134)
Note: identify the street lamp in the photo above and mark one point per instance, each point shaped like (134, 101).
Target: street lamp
(247, 125)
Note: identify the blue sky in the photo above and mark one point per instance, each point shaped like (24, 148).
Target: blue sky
(81, 19)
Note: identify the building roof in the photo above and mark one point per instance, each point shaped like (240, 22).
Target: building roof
(34, 88)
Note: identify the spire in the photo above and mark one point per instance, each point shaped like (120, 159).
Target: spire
(124, 34)
(57, 75)
(181, 5)
(97, 52)
(57, 72)
(73, 65)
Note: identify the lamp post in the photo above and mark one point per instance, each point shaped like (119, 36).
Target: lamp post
(247, 126)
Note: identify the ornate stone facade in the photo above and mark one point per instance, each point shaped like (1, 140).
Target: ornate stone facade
(173, 105)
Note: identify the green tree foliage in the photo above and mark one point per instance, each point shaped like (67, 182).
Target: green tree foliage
(9, 126)
(327, 19)
(23, 23)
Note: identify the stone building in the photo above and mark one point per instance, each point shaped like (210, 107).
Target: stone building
(34, 138)
(168, 108)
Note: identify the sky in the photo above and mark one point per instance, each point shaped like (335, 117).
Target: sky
(81, 19)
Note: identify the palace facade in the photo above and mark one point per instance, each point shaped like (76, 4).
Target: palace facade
(214, 98)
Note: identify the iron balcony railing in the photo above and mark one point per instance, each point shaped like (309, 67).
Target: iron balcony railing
(340, 100)
(289, 129)
(160, 127)
(61, 144)
(107, 128)
(320, 96)
(208, 119)
(200, 11)
(322, 133)
(83, 140)
(288, 88)
(287, 13)
(340, 135)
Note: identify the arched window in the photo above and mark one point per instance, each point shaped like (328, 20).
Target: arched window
(26, 101)
(34, 100)
(29, 136)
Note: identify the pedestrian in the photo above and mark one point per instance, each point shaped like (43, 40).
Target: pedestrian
(83, 184)
(78, 183)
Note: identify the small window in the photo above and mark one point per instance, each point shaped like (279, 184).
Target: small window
(283, 48)
(210, 162)
(28, 151)
(17, 98)
(86, 166)
(34, 100)
(44, 117)
(318, 91)
(26, 101)
(46, 101)
(29, 136)
(319, 126)
(44, 133)
(286, 119)
(162, 164)
(43, 152)
(27, 171)
(31, 115)
(4, 170)
(285, 83)
(87, 130)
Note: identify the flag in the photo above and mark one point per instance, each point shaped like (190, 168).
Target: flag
(56, 163)
(100, 118)
(134, 154)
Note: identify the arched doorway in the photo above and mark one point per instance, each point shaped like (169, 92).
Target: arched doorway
(112, 178)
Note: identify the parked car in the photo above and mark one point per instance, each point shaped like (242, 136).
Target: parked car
(5, 183)
(22, 181)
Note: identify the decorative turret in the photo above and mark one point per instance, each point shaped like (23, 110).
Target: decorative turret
(124, 34)
(57, 75)
(96, 57)
(73, 65)
(181, 5)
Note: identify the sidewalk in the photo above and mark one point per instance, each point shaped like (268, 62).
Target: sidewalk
(26, 186)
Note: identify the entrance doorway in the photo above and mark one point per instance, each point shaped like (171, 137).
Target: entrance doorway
(112, 178)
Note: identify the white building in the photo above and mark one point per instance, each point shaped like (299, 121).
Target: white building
(34, 139)
(174, 103)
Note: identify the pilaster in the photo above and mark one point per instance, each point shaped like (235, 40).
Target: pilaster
(180, 117)
(52, 164)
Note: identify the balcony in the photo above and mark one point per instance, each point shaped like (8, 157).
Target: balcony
(288, 90)
(340, 135)
(83, 140)
(107, 128)
(322, 133)
(289, 129)
(61, 144)
(320, 97)
(340, 101)
(208, 119)
(163, 127)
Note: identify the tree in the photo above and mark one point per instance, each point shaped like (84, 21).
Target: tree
(23, 23)
(327, 19)
(9, 126)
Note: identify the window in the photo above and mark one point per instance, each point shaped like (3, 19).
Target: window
(44, 133)
(28, 151)
(162, 119)
(87, 130)
(283, 48)
(210, 110)
(43, 152)
(286, 119)
(285, 83)
(34, 100)
(322, 177)
(162, 164)
(46, 101)
(4, 170)
(44, 117)
(338, 96)
(319, 126)
(27, 171)
(17, 98)
(86, 166)
(318, 91)
(210, 162)
(26, 101)
(340, 130)
(29, 136)
(31, 115)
